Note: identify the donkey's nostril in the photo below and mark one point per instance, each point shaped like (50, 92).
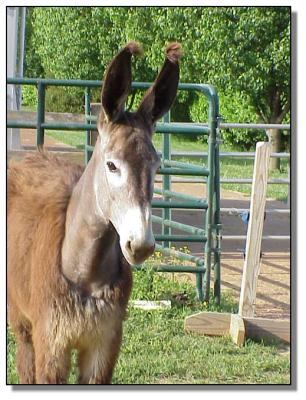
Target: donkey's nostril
(129, 246)
(140, 250)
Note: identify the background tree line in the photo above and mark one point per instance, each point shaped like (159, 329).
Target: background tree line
(243, 51)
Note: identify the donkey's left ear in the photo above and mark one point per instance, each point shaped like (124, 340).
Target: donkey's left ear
(159, 98)
(117, 82)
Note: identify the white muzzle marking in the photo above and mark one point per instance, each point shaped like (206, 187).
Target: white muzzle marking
(136, 235)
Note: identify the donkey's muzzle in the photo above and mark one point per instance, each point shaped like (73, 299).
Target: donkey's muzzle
(138, 251)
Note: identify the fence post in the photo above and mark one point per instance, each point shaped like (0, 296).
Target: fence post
(87, 121)
(40, 136)
(255, 229)
(166, 184)
(217, 225)
(210, 194)
(93, 110)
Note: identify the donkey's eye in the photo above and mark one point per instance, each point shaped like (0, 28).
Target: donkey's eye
(111, 166)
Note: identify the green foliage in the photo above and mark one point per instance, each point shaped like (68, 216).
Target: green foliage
(250, 52)
(33, 65)
(70, 99)
(243, 51)
(29, 95)
(235, 108)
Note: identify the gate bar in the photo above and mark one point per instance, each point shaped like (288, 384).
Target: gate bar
(178, 225)
(177, 204)
(171, 163)
(166, 180)
(179, 254)
(172, 268)
(170, 193)
(181, 238)
(183, 171)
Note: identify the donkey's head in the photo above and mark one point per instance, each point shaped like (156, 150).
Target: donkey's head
(127, 160)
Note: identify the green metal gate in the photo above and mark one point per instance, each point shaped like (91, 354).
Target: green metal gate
(210, 235)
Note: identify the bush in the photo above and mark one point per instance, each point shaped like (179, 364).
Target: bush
(29, 95)
(59, 99)
(244, 51)
(233, 108)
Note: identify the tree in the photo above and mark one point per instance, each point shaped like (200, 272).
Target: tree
(32, 64)
(248, 50)
(78, 43)
(243, 51)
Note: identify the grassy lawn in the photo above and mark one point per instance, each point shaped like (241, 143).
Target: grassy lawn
(72, 138)
(156, 350)
(229, 167)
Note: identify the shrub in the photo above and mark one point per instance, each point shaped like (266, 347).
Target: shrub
(29, 95)
(233, 108)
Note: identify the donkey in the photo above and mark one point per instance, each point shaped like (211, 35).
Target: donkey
(73, 234)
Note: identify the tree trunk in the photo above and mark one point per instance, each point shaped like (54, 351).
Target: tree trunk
(275, 139)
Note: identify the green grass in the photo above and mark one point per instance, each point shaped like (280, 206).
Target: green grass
(243, 168)
(229, 167)
(157, 350)
(72, 138)
(234, 168)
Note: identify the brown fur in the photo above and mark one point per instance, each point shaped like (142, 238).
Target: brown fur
(62, 292)
(46, 314)
(174, 51)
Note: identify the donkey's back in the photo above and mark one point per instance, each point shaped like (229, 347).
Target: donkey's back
(40, 174)
(39, 188)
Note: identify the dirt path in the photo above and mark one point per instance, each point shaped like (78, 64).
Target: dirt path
(273, 291)
(273, 287)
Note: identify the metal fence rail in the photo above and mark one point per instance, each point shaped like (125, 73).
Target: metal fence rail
(207, 173)
(210, 205)
(244, 125)
(238, 211)
(238, 154)
(275, 181)
(266, 237)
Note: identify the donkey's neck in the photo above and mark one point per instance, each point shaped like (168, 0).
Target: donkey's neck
(91, 252)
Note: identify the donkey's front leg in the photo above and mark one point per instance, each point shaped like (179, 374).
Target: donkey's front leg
(52, 361)
(96, 362)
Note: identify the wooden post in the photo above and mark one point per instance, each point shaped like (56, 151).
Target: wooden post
(255, 228)
(237, 329)
(244, 325)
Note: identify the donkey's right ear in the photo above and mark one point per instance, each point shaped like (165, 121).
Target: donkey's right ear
(159, 98)
(117, 82)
